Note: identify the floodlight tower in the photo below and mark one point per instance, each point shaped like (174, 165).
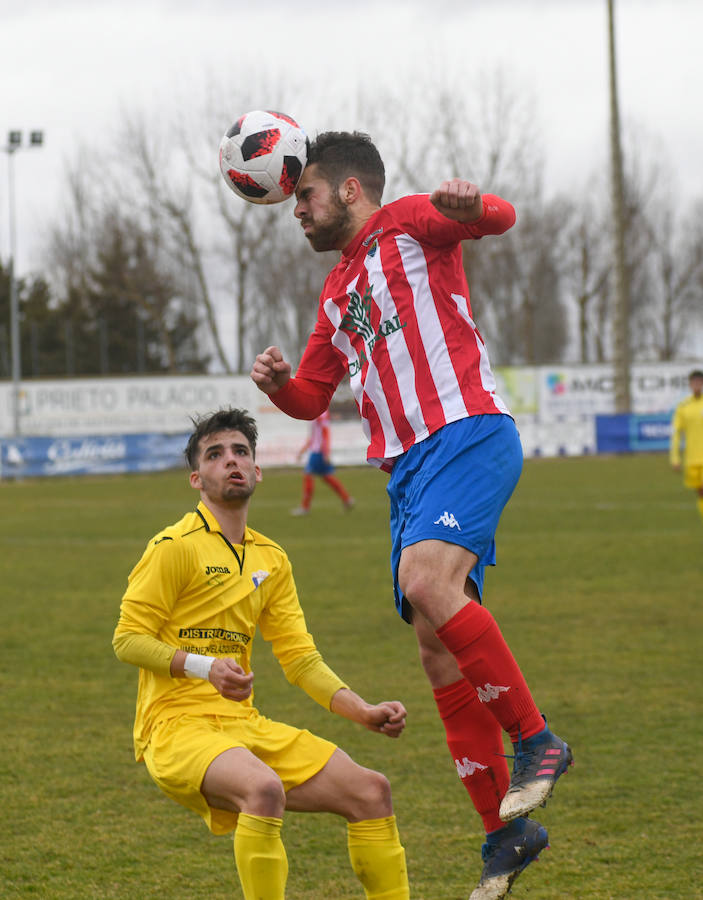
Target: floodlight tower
(622, 281)
(14, 143)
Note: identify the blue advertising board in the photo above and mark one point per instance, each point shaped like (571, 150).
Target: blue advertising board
(90, 455)
(629, 433)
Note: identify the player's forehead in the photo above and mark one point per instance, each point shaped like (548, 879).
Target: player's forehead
(309, 180)
(228, 437)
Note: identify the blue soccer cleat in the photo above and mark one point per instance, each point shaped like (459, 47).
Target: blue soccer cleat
(505, 854)
(539, 761)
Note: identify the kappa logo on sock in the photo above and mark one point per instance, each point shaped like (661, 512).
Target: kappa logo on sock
(490, 692)
(466, 767)
(448, 520)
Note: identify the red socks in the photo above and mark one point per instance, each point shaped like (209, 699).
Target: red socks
(475, 741)
(308, 490)
(485, 660)
(336, 486)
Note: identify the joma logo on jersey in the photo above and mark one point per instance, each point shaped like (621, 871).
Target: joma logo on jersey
(357, 320)
(217, 570)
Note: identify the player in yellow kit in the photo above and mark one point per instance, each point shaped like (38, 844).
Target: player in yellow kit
(188, 619)
(687, 426)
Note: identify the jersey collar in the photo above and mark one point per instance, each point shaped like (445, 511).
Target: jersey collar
(352, 247)
(211, 523)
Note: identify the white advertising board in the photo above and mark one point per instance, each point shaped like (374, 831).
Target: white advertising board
(590, 390)
(163, 404)
(555, 408)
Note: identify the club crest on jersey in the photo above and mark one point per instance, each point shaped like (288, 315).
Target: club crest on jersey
(357, 320)
(258, 577)
(370, 239)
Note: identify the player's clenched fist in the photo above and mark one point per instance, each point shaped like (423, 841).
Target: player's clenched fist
(387, 718)
(230, 679)
(458, 199)
(270, 371)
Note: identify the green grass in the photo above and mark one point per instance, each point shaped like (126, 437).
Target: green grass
(598, 590)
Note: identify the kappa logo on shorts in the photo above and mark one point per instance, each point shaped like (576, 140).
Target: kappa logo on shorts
(490, 692)
(466, 767)
(448, 520)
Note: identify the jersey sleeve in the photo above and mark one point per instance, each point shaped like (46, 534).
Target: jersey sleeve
(152, 589)
(301, 398)
(308, 394)
(675, 440)
(320, 362)
(282, 623)
(425, 222)
(144, 651)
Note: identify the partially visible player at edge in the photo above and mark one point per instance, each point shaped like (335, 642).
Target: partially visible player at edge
(395, 314)
(202, 587)
(319, 465)
(687, 427)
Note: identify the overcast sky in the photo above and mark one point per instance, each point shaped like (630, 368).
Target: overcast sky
(70, 66)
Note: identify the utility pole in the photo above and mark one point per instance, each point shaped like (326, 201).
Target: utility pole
(622, 281)
(14, 143)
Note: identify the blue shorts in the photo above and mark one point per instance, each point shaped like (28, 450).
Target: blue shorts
(453, 487)
(318, 465)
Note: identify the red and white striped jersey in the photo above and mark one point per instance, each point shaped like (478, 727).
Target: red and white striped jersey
(319, 441)
(395, 314)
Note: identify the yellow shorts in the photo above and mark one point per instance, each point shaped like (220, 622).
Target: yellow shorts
(693, 477)
(181, 749)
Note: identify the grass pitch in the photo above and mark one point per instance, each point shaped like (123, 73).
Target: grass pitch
(598, 591)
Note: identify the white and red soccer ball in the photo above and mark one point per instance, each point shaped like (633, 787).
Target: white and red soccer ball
(262, 156)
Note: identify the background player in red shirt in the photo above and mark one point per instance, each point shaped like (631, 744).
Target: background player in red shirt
(395, 315)
(319, 464)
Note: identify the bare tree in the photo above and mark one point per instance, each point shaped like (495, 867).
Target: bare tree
(170, 207)
(248, 264)
(489, 136)
(586, 267)
(289, 287)
(674, 269)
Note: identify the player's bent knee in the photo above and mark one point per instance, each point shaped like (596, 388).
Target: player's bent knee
(262, 795)
(373, 798)
(265, 796)
(419, 585)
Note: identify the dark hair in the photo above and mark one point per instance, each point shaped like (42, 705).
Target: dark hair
(696, 373)
(341, 154)
(222, 420)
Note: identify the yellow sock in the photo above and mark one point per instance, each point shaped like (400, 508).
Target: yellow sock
(378, 858)
(261, 857)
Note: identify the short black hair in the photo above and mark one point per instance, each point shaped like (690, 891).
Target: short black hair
(341, 154)
(223, 420)
(696, 373)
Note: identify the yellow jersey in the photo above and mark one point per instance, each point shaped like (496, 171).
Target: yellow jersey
(687, 425)
(192, 590)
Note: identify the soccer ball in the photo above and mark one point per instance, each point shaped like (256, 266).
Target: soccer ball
(263, 155)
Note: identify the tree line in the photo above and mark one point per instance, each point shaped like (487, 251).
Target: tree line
(155, 266)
